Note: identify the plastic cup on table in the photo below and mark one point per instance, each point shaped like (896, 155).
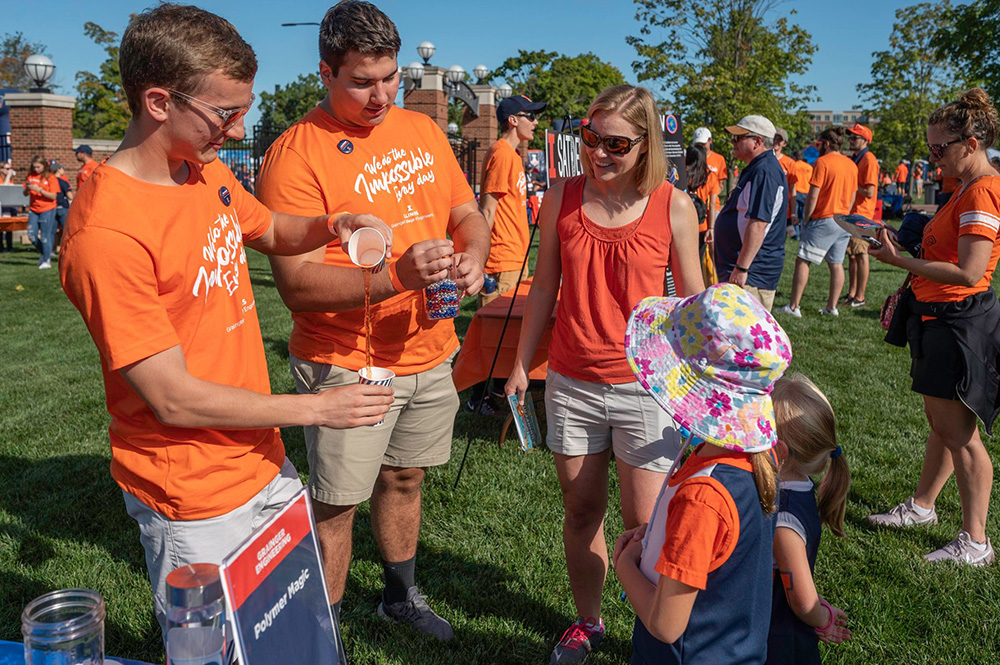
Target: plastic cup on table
(378, 376)
(366, 248)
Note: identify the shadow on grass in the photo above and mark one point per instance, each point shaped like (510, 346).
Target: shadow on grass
(278, 347)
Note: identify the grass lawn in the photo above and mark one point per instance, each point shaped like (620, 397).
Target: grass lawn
(490, 554)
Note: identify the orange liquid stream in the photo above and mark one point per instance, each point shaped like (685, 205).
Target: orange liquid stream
(368, 320)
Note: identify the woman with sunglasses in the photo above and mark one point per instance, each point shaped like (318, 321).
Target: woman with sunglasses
(609, 237)
(41, 187)
(951, 319)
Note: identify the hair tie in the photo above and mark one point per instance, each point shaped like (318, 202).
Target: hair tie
(837, 452)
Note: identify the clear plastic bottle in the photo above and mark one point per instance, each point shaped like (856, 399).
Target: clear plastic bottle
(196, 616)
(64, 627)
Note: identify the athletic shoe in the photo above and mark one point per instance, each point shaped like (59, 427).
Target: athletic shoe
(797, 313)
(857, 303)
(416, 612)
(961, 550)
(829, 312)
(845, 300)
(902, 516)
(577, 642)
(44, 266)
(486, 409)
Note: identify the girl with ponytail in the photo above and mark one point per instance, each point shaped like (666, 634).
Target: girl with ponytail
(807, 446)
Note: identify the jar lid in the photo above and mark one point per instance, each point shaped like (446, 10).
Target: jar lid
(195, 585)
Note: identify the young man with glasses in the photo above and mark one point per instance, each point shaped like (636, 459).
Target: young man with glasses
(356, 151)
(750, 228)
(154, 260)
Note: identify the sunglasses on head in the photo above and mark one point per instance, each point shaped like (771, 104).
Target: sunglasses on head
(229, 116)
(613, 145)
(937, 149)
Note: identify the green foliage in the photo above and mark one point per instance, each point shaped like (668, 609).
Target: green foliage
(719, 60)
(909, 81)
(567, 83)
(969, 39)
(14, 49)
(101, 107)
(289, 103)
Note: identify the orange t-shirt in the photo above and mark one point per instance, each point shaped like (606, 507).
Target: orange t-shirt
(788, 168)
(901, 172)
(151, 267)
(867, 175)
(803, 172)
(36, 202)
(706, 193)
(717, 165)
(503, 177)
(836, 175)
(404, 172)
(84, 173)
(975, 212)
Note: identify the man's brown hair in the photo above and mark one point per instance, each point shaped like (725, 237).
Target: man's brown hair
(175, 46)
(353, 25)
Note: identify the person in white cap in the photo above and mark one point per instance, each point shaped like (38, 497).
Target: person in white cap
(716, 162)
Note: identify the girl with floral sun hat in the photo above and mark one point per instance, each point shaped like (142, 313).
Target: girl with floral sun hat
(699, 576)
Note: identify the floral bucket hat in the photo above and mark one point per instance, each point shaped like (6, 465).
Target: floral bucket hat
(710, 361)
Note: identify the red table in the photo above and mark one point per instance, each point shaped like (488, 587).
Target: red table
(473, 362)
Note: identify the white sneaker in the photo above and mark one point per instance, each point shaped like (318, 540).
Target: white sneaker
(902, 516)
(44, 266)
(787, 309)
(961, 550)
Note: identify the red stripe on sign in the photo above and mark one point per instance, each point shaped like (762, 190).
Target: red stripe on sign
(551, 156)
(268, 549)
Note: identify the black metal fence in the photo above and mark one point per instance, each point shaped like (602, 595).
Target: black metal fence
(4, 147)
(466, 152)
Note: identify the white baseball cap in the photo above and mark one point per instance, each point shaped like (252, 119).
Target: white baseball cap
(753, 124)
(702, 135)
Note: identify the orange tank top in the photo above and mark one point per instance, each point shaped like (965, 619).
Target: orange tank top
(605, 273)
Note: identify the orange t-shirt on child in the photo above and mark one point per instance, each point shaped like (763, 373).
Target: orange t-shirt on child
(404, 172)
(836, 175)
(151, 267)
(503, 177)
(36, 202)
(975, 212)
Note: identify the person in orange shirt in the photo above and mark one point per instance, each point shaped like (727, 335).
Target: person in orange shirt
(41, 187)
(803, 173)
(357, 151)
(85, 155)
(951, 320)
(899, 178)
(865, 198)
(703, 186)
(502, 194)
(788, 168)
(832, 189)
(716, 162)
(154, 260)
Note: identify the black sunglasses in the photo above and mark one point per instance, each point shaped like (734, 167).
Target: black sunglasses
(613, 145)
(529, 116)
(937, 149)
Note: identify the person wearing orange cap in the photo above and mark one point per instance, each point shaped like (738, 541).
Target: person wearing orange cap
(858, 138)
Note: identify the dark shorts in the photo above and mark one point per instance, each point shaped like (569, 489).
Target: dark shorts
(942, 367)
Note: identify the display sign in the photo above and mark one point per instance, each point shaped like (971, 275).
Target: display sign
(276, 592)
(563, 156)
(673, 148)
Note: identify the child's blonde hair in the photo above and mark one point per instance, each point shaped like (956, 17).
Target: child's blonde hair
(808, 428)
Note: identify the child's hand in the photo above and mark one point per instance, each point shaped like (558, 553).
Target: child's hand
(630, 541)
(838, 631)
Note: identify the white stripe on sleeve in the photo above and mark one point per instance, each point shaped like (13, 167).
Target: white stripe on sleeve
(979, 217)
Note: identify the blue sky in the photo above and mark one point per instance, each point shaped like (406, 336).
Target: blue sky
(465, 33)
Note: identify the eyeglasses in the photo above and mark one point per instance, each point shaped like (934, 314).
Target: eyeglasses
(613, 145)
(529, 116)
(937, 149)
(229, 116)
(736, 139)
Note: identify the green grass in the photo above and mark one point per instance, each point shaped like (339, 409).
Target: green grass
(490, 553)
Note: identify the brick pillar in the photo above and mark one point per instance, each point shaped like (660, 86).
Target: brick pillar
(430, 98)
(481, 128)
(41, 124)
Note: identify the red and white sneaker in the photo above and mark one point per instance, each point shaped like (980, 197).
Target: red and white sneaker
(578, 641)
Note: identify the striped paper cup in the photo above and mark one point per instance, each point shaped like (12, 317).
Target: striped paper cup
(379, 377)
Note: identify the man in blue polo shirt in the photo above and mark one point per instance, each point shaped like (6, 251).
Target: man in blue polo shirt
(750, 229)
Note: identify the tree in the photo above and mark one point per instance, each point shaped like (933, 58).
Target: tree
(909, 81)
(568, 84)
(968, 37)
(289, 103)
(101, 107)
(721, 59)
(14, 49)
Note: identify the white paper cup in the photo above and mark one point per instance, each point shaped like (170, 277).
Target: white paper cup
(366, 248)
(379, 377)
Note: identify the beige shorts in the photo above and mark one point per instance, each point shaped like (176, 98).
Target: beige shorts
(764, 296)
(344, 463)
(585, 418)
(856, 247)
(506, 281)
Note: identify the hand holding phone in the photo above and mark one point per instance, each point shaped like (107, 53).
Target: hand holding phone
(872, 241)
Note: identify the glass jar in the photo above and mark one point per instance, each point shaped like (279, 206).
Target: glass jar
(196, 616)
(64, 627)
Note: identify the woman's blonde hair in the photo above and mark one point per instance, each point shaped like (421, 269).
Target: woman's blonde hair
(808, 428)
(637, 106)
(765, 476)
